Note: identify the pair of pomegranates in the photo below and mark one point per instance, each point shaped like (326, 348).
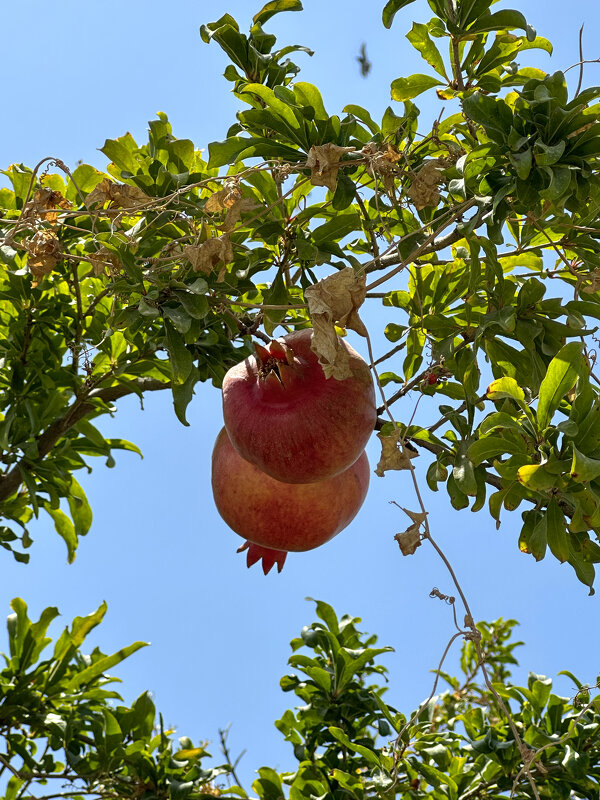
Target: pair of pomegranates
(289, 469)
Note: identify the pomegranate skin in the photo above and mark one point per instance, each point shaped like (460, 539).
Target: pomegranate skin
(285, 417)
(283, 516)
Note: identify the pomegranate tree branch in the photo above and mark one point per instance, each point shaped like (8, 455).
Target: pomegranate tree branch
(430, 244)
(81, 407)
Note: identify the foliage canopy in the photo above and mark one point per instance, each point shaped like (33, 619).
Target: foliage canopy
(480, 241)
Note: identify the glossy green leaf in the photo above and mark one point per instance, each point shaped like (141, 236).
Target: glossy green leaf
(103, 664)
(275, 7)
(536, 477)
(561, 377)
(558, 538)
(391, 8)
(491, 447)
(584, 468)
(420, 39)
(179, 356)
(406, 88)
(505, 388)
(65, 529)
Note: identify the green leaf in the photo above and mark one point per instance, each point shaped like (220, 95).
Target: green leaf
(501, 20)
(560, 378)
(536, 477)
(65, 529)
(492, 446)
(179, 356)
(522, 162)
(420, 39)
(308, 95)
(365, 752)
(539, 539)
(103, 664)
(390, 10)
(363, 115)
(81, 511)
(182, 395)
(584, 468)
(275, 7)
(121, 152)
(406, 88)
(558, 538)
(506, 387)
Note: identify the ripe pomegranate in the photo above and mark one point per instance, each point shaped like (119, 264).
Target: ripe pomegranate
(279, 517)
(285, 417)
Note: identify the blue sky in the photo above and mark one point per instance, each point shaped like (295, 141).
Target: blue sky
(158, 552)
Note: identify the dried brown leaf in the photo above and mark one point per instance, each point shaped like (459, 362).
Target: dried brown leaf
(424, 189)
(382, 161)
(102, 260)
(117, 195)
(409, 540)
(235, 212)
(44, 253)
(46, 204)
(595, 282)
(335, 299)
(394, 454)
(416, 516)
(229, 199)
(207, 256)
(323, 162)
(223, 199)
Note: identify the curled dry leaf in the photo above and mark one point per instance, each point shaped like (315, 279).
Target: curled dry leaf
(224, 199)
(44, 253)
(594, 286)
(46, 204)
(424, 189)
(117, 195)
(229, 199)
(207, 256)
(102, 260)
(335, 299)
(324, 164)
(382, 161)
(394, 454)
(409, 540)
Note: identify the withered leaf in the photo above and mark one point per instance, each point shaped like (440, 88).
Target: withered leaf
(335, 299)
(424, 189)
(417, 517)
(323, 162)
(102, 260)
(208, 255)
(383, 162)
(409, 540)
(595, 282)
(44, 253)
(118, 195)
(46, 204)
(226, 197)
(394, 455)
(230, 199)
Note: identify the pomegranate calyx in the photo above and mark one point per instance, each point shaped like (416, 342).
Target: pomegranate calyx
(268, 556)
(278, 351)
(262, 354)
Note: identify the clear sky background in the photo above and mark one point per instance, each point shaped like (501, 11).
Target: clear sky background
(158, 553)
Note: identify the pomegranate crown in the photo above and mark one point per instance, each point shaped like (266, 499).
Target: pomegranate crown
(268, 557)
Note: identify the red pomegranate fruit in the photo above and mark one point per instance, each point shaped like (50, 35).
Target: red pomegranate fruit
(283, 415)
(277, 517)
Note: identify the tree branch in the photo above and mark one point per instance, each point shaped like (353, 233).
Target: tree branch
(82, 406)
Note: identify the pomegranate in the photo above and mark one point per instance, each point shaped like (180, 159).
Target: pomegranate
(279, 517)
(285, 417)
